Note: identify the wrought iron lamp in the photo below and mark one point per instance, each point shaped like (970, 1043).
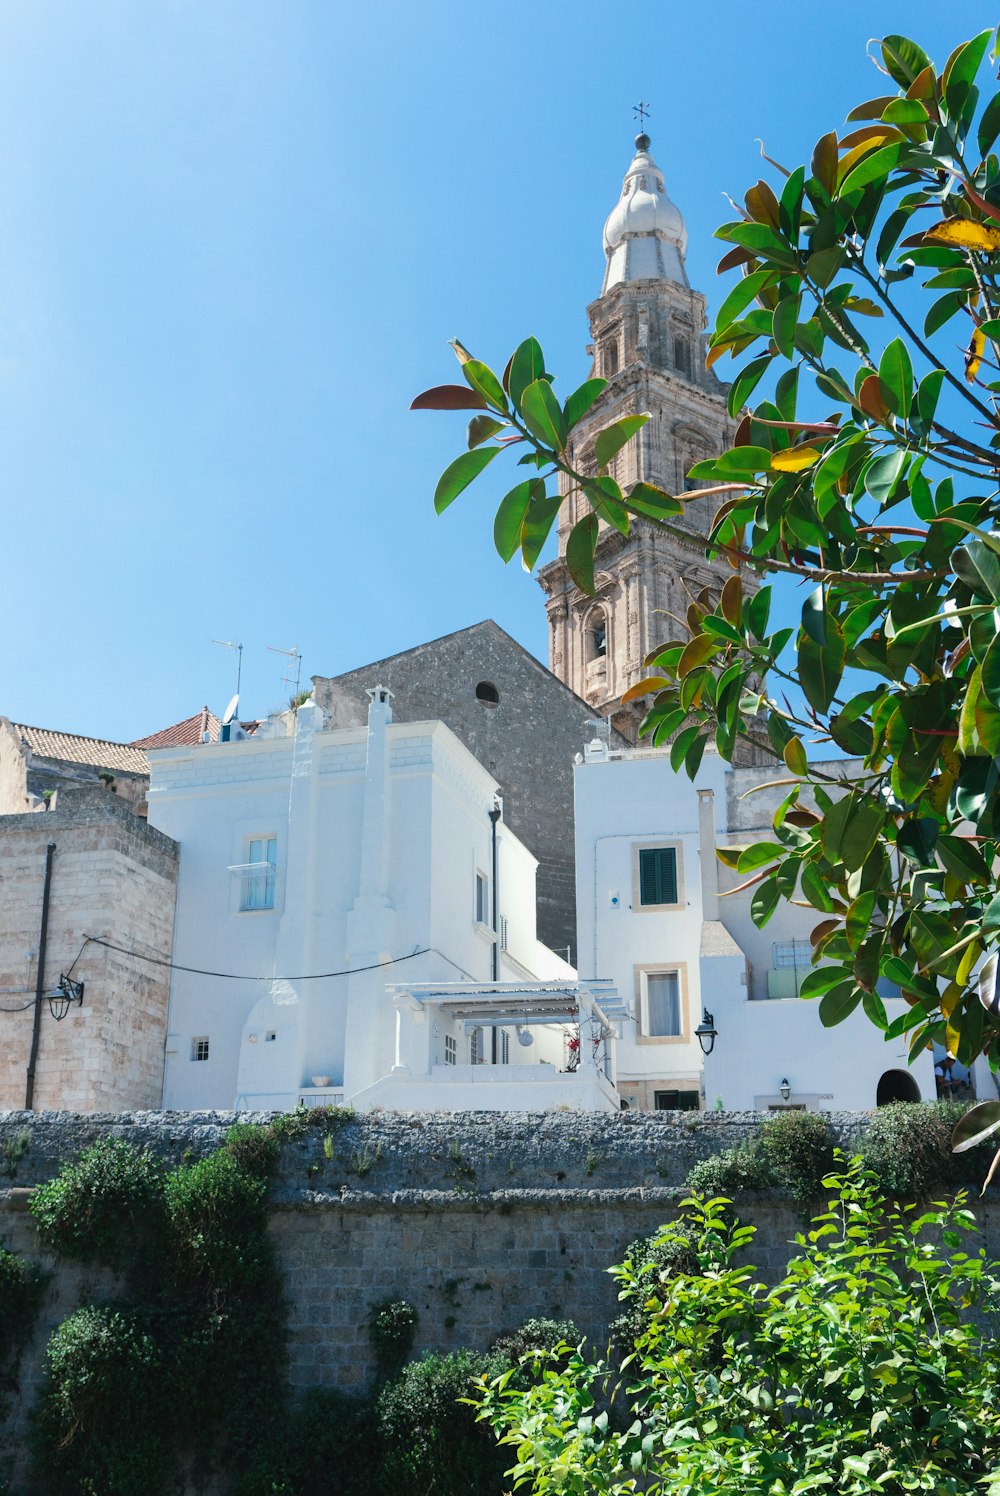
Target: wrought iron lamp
(706, 1033)
(785, 1089)
(64, 996)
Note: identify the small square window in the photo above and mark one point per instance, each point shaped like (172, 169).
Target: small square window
(450, 1050)
(199, 1049)
(657, 875)
(270, 1036)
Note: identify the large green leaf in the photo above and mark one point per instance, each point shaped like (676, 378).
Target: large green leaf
(839, 1003)
(991, 673)
(483, 379)
(582, 399)
(873, 168)
(764, 902)
(460, 473)
(537, 523)
(481, 428)
(580, 552)
(895, 372)
(903, 59)
(647, 499)
(543, 414)
(746, 382)
(741, 295)
(511, 516)
(821, 666)
(615, 436)
(526, 365)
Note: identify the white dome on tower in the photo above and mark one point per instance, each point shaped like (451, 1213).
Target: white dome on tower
(644, 237)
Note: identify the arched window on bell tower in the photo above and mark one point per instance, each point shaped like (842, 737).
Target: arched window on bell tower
(609, 354)
(682, 354)
(595, 642)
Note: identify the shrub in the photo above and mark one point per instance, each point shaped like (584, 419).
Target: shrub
(535, 1335)
(216, 1216)
(798, 1153)
(97, 1429)
(328, 1444)
(432, 1444)
(863, 1370)
(392, 1326)
(907, 1146)
(105, 1206)
(21, 1286)
(253, 1149)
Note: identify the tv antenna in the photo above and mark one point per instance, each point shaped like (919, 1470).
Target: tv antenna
(228, 644)
(290, 654)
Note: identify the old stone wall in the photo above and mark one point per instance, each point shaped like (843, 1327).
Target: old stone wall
(526, 739)
(115, 877)
(479, 1220)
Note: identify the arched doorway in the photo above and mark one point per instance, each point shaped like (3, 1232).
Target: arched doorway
(896, 1085)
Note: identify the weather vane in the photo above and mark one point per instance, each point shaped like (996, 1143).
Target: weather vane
(641, 111)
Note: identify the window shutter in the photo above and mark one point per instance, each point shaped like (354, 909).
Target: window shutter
(658, 875)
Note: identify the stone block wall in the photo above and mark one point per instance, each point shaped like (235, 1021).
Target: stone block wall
(480, 1220)
(115, 877)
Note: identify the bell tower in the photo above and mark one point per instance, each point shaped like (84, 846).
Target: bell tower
(647, 329)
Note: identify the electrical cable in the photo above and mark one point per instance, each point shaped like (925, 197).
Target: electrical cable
(233, 976)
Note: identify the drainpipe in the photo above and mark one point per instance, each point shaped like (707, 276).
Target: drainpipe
(29, 1090)
(495, 814)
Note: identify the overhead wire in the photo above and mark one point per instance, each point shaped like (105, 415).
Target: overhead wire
(233, 976)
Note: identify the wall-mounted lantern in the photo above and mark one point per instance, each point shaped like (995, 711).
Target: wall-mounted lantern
(785, 1089)
(64, 996)
(706, 1033)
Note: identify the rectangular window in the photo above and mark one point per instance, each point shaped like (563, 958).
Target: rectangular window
(258, 874)
(504, 1047)
(199, 1049)
(792, 953)
(482, 899)
(450, 1050)
(657, 875)
(676, 1101)
(663, 1005)
(477, 1054)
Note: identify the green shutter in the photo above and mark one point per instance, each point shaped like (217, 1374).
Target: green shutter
(657, 875)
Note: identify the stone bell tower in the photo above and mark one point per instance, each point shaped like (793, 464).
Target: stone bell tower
(647, 327)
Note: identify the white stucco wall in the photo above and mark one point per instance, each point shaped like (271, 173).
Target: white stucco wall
(364, 876)
(623, 801)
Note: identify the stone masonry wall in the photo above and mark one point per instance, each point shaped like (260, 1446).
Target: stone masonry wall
(480, 1220)
(115, 877)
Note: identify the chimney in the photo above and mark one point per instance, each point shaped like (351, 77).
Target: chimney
(709, 861)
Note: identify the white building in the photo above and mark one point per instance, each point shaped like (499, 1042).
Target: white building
(355, 922)
(654, 918)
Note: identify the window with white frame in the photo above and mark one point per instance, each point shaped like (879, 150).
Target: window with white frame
(477, 1048)
(504, 1055)
(257, 891)
(199, 1048)
(482, 899)
(662, 1005)
(450, 1049)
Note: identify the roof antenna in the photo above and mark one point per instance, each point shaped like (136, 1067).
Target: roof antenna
(290, 654)
(228, 644)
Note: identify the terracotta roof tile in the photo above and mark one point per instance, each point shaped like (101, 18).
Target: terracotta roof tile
(183, 734)
(70, 747)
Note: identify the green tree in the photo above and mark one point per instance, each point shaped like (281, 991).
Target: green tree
(869, 279)
(860, 1372)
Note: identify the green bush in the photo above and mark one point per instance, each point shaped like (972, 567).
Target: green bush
(97, 1427)
(327, 1445)
(392, 1327)
(217, 1219)
(254, 1149)
(535, 1335)
(431, 1443)
(798, 1153)
(21, 1286)
(104, 1208)
(864, 1370)
(907, 1146)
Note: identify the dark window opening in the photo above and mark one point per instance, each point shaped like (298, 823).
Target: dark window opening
(610, 359)
(487, 693)
(896, 1085)
(658, 875)
(676, 1101)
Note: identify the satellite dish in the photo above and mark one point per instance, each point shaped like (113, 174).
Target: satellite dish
(230, 711)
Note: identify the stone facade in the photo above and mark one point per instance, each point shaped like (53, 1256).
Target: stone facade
(648, 343)
(479, 1220)
(522, 724)
(115, 877)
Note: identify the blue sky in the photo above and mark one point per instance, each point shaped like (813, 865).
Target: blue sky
(235, 238)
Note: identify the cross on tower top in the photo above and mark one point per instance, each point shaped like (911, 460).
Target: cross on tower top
(641, 111)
